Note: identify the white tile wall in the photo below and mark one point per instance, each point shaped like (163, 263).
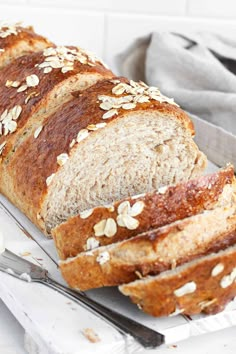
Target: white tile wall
(202, 8)
(212, 8)
(63, 26)
(158, 7)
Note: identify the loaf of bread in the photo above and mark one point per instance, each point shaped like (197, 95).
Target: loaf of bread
(16, 41)
(154, 251)
(114, 139)
(129, 217)
(77, 147)
(206, 285)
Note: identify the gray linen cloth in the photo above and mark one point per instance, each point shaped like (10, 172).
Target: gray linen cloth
(199, 71)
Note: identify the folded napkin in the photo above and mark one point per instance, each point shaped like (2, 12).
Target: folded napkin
(199, 71)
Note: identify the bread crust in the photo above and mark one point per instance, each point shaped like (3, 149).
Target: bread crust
(157, 295)
(151, 252)
(26, 40)
(176, 203)
(18, 71)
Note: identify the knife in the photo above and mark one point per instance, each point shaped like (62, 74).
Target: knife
(23, 269)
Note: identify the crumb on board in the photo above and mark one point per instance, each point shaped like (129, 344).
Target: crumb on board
(172, 346)
(91, 335)
(25, 254)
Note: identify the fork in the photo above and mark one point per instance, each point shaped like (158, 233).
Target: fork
(23, 269)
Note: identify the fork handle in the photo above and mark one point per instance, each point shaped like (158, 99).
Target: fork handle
(147, 337)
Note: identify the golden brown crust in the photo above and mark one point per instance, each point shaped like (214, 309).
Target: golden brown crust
(178, 202)
(25, 35)
(138, 257)
(40, 155)
(157, 297)
(24, 67)
(169, 110)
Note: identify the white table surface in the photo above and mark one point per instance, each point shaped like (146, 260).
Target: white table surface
(222, 342)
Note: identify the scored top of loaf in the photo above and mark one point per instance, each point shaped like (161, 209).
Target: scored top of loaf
(28, 79)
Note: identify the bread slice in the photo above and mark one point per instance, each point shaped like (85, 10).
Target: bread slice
(203, 285)
(89, 153)
(152, 252)
(34, 86)
(142, 213)
(16, 41)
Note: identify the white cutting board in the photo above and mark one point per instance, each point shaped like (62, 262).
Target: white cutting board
(54, 324)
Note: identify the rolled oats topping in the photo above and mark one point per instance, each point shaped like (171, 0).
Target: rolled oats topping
(96, 126)
(49, 179)
(110, 228)
(186, 289)
(206, 303)
(64, 58)
(8, 119)
(176, 312)
(72, 143)
(91, 243)
(228, 280)
(15, 112)
(217, 269)
(22, 88)
(128, 96)
(103, 257)
(124, 207)
(99, 228)
(10, 83)
(138, 196)
(126, 213)
(111, 113)
(127, 221)
(129, 105)
(83, 133)
(7, 29)
(162, 190)
(47, 70)
(32, 80)
(2, 146)
(101, 125)
(105, 227)
(86, 213)
(62, 159)
(115, 81)
(137, 208)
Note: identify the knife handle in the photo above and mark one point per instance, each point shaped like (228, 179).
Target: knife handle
(147, 337)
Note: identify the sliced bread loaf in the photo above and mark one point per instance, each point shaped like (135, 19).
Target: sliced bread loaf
(131, 216)
(152, 252)
(203, 285)
(116, 138)
(16, 41)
